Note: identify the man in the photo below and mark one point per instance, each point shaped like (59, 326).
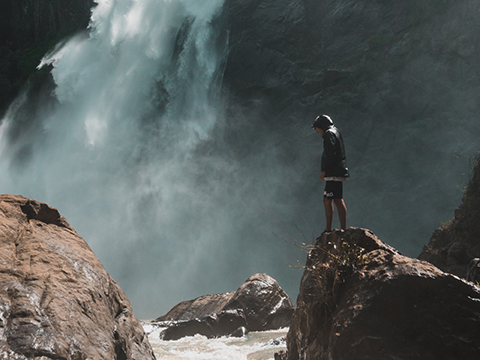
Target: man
(334, 170)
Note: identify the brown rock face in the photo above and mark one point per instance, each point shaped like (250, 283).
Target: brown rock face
(361, 299)
(56, 299)
(197, 308)
(259, 304)
(265, 304)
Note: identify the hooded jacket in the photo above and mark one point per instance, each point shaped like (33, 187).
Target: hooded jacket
(334, 160)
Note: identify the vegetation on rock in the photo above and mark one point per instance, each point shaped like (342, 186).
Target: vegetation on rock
(361, 299)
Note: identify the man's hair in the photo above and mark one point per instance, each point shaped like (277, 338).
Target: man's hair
(322, 122)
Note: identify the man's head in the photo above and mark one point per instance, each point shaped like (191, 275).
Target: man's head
(322, 123)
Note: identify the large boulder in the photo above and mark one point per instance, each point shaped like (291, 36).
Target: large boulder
(56, 299)
(259, 304)
(361, 299)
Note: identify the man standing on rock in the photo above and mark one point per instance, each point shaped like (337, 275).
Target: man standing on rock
(334, 170)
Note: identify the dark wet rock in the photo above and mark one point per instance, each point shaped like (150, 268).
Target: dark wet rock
(28, 29)
(240, 332)
(224, 323)
(361, 299)
(455, 244)
(259, 304)
(276, 342)
(265, 304)
(196, 308)
(473, 271)
(56, 299)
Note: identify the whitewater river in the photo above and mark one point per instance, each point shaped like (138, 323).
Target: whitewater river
(255, 346)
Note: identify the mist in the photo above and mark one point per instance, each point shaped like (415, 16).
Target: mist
(136, 150)
(123, 153)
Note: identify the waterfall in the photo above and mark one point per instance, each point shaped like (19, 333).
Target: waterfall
(120, 150)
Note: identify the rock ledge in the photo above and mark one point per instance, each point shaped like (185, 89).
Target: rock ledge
(361, 299)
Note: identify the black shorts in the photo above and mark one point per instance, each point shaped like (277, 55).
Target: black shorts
(333, 190)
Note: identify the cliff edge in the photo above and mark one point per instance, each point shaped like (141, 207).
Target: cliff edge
(361, 299)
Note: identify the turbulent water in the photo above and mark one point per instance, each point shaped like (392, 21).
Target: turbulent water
(253, 346)
(124, 149)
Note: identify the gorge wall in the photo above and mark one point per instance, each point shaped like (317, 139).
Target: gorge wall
(399, 78)
(455, 244)
(28, 29)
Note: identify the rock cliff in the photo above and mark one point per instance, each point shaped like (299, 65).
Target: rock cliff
(56, 299)
(361, 299)
(259, 304)
(28, 29)
(456, 243)
(355, 58)
(396, 75)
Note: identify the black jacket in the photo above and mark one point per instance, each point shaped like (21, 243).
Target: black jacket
(334, 160)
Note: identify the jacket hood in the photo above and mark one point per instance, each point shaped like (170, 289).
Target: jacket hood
(322, 122)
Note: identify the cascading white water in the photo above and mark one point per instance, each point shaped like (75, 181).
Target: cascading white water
(119, 151)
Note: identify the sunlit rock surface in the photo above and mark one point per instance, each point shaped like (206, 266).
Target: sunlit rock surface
(361, 299)
(259, 304)
(56, 299)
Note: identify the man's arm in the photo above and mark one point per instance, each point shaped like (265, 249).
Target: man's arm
(328, 157)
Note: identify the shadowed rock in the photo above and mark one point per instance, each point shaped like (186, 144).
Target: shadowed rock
(224, 323)
(259, 304)
(56, 299)
(361, 299)
(455, 245)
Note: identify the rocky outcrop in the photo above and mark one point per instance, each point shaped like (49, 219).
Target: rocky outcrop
(259, 304)
(455, 244)
(56, 299)
(361, 299)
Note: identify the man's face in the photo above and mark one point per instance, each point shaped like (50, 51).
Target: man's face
(318, 130)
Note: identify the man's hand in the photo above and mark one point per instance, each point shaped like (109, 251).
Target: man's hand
(322, 176)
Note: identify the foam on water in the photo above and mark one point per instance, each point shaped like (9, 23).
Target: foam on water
(255, 346)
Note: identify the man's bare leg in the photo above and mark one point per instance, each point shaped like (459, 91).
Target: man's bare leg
(342, 213)
(328, 204)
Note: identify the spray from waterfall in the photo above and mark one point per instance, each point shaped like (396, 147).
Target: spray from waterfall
(118, 150)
